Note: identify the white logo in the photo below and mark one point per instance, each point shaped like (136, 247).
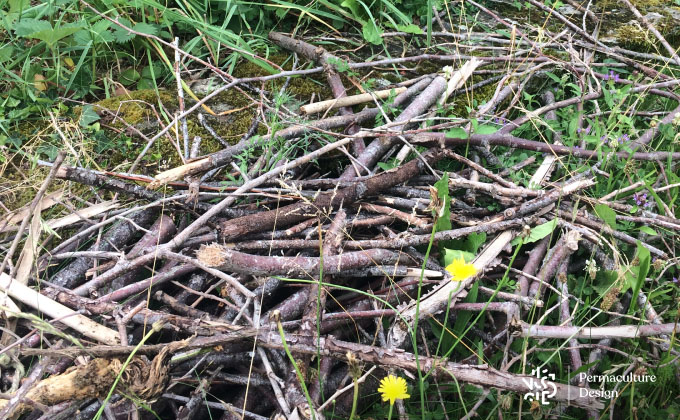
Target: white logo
(540, 388)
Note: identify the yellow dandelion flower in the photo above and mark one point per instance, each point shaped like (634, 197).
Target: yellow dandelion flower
(393, 388)
(460, 270)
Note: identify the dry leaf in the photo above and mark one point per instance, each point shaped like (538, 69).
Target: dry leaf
(39, 82)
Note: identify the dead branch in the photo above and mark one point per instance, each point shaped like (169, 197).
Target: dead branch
(228, 260)
(72, 319)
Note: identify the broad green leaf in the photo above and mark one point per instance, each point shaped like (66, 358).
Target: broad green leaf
(553, 77)
(457, 133)
(158, 70)
(386, 166)
(372, 33)
(100, 26)
(82, 80)
(6, 52)
(470, 244)
(88, 116)
(45, 32)
(146, 28)
(486, 129)
(624, 119)
(475, 241)
(281, 13)
(49, 150)
(101, 32)
(145, 83)
(82, 37)
(648, 230)
(30, 26)
(123, 35)
(604, 282)
(129, 76)
(607, 214)
(667, 131)
(537, 233)
(454, 254)
(410, 29)
(590, 139)
(11, 102)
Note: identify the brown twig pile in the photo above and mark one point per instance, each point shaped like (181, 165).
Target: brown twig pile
(197, 281)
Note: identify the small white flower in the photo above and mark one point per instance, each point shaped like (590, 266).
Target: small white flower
(591, 268)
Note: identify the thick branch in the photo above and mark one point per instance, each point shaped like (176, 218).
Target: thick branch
(228, 260)
(298, 212)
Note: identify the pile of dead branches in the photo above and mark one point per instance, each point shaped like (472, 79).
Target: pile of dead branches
(264, 290)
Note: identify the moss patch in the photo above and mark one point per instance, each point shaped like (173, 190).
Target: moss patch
(458, 105)
(135, 107)
(632, 35)
(301, 87)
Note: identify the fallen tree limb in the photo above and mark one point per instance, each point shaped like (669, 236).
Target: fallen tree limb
(380, 146)
(566, 245)
(160, 232)
(298, 212)
(596, 333)
(179, 239)
(165, 274)
(349, 100)
(118, 236)
(66, 316)
(395, 243)
(218, 256)
(503, 139)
